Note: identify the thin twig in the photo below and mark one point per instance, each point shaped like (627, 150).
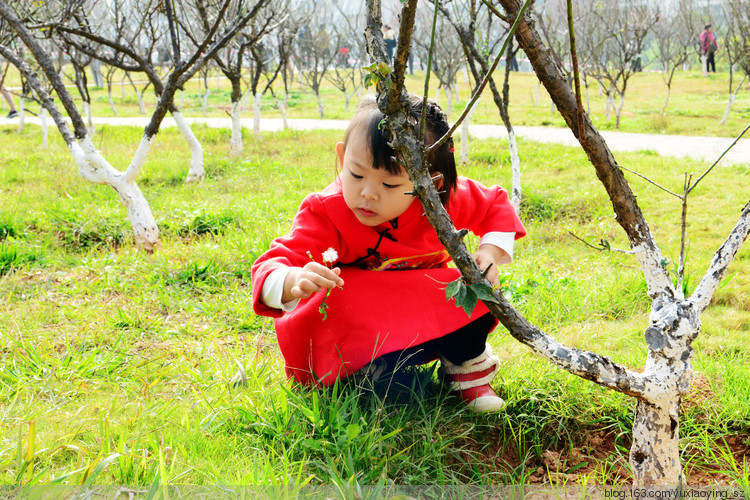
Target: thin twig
(576, 76)
(602, 247)
(718, 159)
(652, 182)
(495, 11)
(481, 86)
(681, 268)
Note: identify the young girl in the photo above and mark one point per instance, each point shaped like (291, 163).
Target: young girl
(359, 282)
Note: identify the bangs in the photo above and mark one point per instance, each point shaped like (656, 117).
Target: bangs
(382, 152)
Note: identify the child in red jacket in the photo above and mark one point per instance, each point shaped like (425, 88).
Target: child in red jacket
(359, 282)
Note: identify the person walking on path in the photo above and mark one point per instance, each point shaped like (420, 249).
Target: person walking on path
(9, 99)
(709, 46)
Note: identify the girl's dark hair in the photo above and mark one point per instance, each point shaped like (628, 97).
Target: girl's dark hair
(369, 119)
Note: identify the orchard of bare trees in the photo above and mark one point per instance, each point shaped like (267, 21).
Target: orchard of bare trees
(265, 49)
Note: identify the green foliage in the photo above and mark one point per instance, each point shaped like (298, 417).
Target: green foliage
(81, 235)
(11, 258)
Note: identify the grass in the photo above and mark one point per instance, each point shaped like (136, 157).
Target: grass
(117, 367)
(696, 106)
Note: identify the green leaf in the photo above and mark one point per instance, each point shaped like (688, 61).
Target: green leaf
(352, 431)
(469, 301)
(452, 289)
(460, 294)
(384, 69)
(483, 292)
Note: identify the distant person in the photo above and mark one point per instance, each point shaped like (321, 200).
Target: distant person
(513, 63)
(390, 41)
(709, 46)
(9, 99)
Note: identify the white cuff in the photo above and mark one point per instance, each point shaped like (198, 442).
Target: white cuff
(503, 241)
(273, 289)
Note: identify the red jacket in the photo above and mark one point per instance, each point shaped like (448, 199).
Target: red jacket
(374, 313)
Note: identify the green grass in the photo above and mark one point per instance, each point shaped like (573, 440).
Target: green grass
(118, 367)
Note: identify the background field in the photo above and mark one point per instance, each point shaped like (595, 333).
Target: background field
(117, 367)
(696, 106)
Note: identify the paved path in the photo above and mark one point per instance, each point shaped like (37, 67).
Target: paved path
(702, 148)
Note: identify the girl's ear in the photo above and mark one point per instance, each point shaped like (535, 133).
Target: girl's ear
(340, 149)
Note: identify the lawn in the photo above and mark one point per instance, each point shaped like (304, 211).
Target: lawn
(118, 367)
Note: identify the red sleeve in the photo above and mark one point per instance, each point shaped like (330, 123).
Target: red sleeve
(312, 231)
(482, 210)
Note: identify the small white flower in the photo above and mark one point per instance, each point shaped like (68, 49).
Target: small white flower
(330, 256)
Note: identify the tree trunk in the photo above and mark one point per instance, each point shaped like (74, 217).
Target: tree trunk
(122, 85)
(449, 104)
(732, 97)
(111, 101)
(666, 100)
(465, 134)
(196, 172)
(45, 128)
(536, 94)
(281, 104)
(256, 113)
(515, 163)
(618, 111)
(87, 114)
(235, 142)
(347, 98)
(655, 453)
(182, 99)
(320, 105)
(608, 106)
(21, 114)
(205, 101)
(94, 168)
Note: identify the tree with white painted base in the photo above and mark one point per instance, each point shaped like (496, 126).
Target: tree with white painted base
(675, 319)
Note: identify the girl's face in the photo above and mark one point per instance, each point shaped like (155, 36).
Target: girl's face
(374, 195)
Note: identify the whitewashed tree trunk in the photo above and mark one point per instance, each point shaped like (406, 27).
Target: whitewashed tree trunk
(196, 172)
(87, 114)
(205, 101)
(515, 163)
(536, 94)
(618, 111)
(455, 91)
(111, 100)
(122, 85)
(21, 114)
(182, 99)
(45, 128)
(588, 100)
(552, 107)
(235, 142)
(609, 105)
(321, 111)
(347, 98)
(94, 168)
(449, 98)
(281, 104)
(256, 114)
(437, 95)
(218, 81)
(245, 100)
(465, 133)
(732, 97)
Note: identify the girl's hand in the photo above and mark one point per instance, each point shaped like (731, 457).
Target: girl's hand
(489, 254)
(303, 282)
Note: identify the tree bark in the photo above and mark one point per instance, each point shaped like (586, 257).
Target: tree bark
(256, 113)
(196, 172)
(235, 142)
(45, 128)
